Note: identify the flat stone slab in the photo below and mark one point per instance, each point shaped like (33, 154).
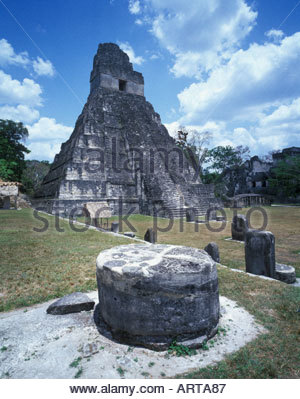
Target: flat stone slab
(129, 234)
(72, 303)
(39, 345)
(150, 295)
(230, 239)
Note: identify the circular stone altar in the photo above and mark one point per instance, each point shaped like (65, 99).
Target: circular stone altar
(151, 295)
(285, 273)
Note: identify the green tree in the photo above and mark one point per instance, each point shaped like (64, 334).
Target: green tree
(12, 150)
(219, 159)
(222, 158)
(33, 175)
(286, 177)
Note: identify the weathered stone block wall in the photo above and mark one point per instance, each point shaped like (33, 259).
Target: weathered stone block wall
(135, 88)
(7, 190)
(110, 82)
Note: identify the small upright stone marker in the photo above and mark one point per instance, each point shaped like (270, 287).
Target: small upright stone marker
(150, 236)
(213, 250)
(190, 215)
(115, 227)
(239, 227)
(6, 203)
(260, 253)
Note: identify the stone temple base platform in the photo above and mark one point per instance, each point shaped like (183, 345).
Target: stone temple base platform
(153, 295)
(40, 345)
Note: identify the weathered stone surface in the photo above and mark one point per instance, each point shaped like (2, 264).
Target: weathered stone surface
(249, 185)
(285, 273)
(97, 209)
(43, 346)
(8, 188)
(120, 152)
(6, 202)
(72, 303)
(190, 215)
(90, 349)
(150, 236)
(149, 295)
(23, 201)
(211, 214)
(260, 253)
(10, 196)
(213, 250)
(129, 234)
(115, 227)
(239, 227)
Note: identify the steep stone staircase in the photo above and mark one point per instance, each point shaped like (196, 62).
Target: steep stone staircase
(177, 201)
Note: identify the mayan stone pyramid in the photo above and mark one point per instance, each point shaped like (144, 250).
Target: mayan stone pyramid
(120, 153)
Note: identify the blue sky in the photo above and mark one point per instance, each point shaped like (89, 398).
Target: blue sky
(229, 67)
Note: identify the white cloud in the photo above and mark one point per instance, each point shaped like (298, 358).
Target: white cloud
(8, 55)
(47, 129)
(281, 127)
(19, 99)
(20, 113)
(42, 67)
(138, 21)
(283, 114)
(250, 83)
(13, 91)
(43, 151)
(188, 64)
(204, 32)
(217, 131)
(138, 60)
(243, 96)
(134, 7)
(241, 136)
(255, 98)
(46, 137)
(270, 133)
(274, 34)
(172, 128)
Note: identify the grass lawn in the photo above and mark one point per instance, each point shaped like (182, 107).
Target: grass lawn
(284, 223)
(35, 267)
